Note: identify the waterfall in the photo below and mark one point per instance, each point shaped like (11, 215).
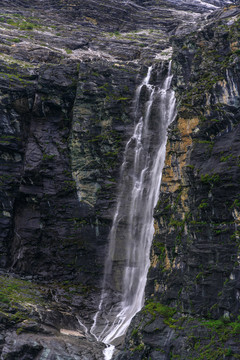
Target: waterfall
(132, 229)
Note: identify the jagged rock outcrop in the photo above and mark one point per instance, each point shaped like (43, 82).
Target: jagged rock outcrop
(68, 72)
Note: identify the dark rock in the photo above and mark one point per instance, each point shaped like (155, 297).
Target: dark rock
(68, 74)
(195, 271)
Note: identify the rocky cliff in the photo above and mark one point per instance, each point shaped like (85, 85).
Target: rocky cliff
(192, 295)
(68, 74)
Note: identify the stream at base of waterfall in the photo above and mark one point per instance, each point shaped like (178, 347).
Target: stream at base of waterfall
(132, 231)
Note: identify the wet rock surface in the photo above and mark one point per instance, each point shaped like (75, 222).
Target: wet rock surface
(192, 307)
(68, 73)
(39, 321)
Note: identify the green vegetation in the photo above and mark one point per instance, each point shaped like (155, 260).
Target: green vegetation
(203, 205)
(212, 341)
(18, 295)
(199, 276)
(223, 326)
(204, 142)
(159, 247)
(21, 22)
(69, 185)
(16, 63)
(134, 332)
(210, 179)
(18, 290)
(110, 95)
(22, 25)
(156, 309)
(15, 40)
(48, 157)
(8, 138)
(26, 26)
(219, 332)
(15, 79)
(140, 347)
(225, 158)
(190, 166)
(236, 203)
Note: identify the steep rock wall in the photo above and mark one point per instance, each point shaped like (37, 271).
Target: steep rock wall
(198, 206)
(68, 74)
(52, 233)
(192, 308)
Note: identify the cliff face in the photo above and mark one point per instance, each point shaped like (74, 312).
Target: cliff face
(197, 213)
(67, 84)
(192, 308)
(68, 73)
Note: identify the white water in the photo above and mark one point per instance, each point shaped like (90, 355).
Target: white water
(132, 230)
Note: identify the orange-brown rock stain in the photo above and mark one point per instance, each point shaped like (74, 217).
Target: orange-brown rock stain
(173, 178)
(177, 153)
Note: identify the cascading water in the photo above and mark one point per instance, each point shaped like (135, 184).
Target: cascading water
(132, 230)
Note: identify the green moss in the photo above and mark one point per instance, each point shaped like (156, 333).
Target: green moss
(190, 166)
(156, 308)
(22, 25)
(4, 299)
(218, 332)
(199, 276)
(223, 326)
(15, 79)
(210, 179)
(16, 289)
(15, 40)
(236, 203)
(104, 86)
(139, 348)
(204, 142)
(20, 330)
(17, 295)
(121, 98)
(160, 251)
(47, 157)
(26, 26)
(225, 158)
(69, 185)
(215, 337)
(203, 205)
(134, 332)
